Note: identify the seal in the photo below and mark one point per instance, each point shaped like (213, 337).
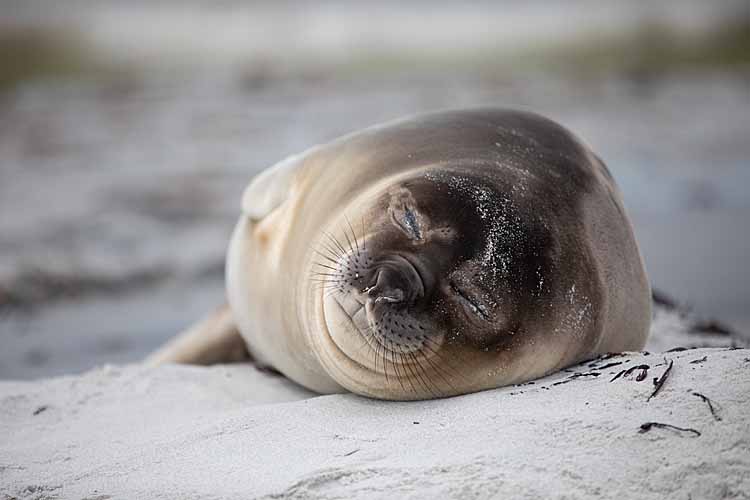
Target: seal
(436, 255)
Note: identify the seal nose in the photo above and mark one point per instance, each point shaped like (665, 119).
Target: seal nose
(395, 282)
(388, 287)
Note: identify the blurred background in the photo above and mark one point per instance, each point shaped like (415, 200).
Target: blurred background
(129, 129)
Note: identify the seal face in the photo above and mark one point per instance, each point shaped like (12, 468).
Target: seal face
(451, 267)
(445, 264)
(435, 256)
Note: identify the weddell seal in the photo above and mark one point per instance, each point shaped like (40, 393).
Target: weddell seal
(436, 255)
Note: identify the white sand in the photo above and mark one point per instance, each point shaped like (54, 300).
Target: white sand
(234, 432)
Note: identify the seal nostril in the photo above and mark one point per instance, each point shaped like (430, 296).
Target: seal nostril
(390, 285)
(392, 296)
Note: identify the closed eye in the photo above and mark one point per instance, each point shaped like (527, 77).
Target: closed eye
(407, 220)
(470, 302)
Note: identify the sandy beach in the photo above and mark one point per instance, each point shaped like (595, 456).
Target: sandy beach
(125, 145)
(596, 430)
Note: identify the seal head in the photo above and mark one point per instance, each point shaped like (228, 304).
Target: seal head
(445, 280)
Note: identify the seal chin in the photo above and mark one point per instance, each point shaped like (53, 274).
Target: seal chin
(379, 339)
(375, 333)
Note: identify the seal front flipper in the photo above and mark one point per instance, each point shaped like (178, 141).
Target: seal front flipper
(215, 339)
(269, 189)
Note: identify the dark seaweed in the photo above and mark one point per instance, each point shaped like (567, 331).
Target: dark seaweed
(650, 425)
(659, 382)
(625, 373)
(710, 405)
(40, 410)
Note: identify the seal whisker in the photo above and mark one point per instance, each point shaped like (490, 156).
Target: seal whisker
(326, 266)
(335, 254)
(378, 347)
(339, 243)
(329, 275)
(379, 343)
(445, 361)
(364, 232)
(405, 366)
(419, 371)
(385, 351)
(354, 236)
(330, 293)
(439, 372)
(348, 240)
(368, 337)
(437, 354)
(320, 273)
(329, 258)
(411, 373)
(409, 368)
(398, 375)
(393, 360)
(323, 284)
(408, 378)
(332, 245)
(324, 280)
(330, 288)
(380, 352)
(335, 242)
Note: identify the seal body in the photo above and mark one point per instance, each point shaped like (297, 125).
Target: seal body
(437, 255)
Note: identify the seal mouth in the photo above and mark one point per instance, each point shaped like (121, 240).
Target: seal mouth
(383, 326)
(360, 317)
